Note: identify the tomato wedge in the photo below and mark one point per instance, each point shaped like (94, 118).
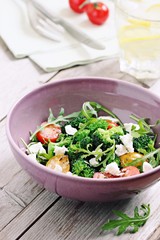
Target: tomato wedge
(130, 171)
(50, 133)
(98, 175)
(111, 124)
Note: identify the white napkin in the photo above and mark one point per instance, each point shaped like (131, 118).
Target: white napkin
(23, 41)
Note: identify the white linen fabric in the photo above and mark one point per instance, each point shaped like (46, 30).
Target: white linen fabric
(23, 41)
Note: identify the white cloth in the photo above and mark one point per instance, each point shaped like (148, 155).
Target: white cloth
(23, 41)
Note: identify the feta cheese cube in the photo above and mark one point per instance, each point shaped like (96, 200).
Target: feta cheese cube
(120, 150)
(113, 169)
(70, 130)
(128, 126)
(127, 140)
(69, 174)
(93, 162)
(36, 147)
(58, 168)
(147, 167)
(33, 156)
(60, 150)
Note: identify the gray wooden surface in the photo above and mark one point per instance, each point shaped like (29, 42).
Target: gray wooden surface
(27, 211)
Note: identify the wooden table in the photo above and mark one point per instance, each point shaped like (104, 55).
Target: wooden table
(27, 211)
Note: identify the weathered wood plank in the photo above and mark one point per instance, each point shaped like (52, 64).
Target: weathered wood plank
(17, 77)
(26, 218)
(8, 165)
(107, 68)
(76, 220)
(28, 212)
(8, 209)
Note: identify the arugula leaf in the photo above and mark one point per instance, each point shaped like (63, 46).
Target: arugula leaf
(150, 156)
(51, 116)
(53, 120)
(124, 221)
(90, 109)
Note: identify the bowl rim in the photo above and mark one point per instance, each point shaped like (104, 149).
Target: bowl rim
(59, 174)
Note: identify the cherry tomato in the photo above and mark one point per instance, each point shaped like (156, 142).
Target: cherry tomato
(48, 133)
(111, 124)
(129, 157)
(108, 175)
(75, 5)
(130, 171)
(98, 175)
(97, 12)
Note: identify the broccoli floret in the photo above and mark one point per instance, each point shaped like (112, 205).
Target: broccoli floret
(97, 123)
(85, 142)
(77, 121)
(82, 168)
(105, 136)
(80, 135)
(73, 154)
(117, 139)
(144, 144)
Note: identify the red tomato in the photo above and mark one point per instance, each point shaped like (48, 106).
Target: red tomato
(48, 133)
(112, 124)
(75, 5)
(130, 171)
(98, 175)
(97, 12)
(108, 175)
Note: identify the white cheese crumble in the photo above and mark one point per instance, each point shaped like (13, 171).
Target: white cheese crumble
(36, 148)
(33, 156)
(60, 150)
(69, 174)
(147, 167)
(128, 126)
(70, 130)
(113, 169)
(58, 168)
(93, 161)
(120, 150)
(127, 140)
(109, 118)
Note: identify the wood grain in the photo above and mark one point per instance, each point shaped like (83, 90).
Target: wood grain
(27, 210)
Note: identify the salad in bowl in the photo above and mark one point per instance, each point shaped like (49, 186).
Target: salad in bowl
(94, 143)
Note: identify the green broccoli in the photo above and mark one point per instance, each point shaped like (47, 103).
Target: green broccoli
(82, 168)
(85, 142)
(144, 144)
(77, 121)
(97, 123)
(82, 138)
(80, 135)
(101, 136)
(116, 137)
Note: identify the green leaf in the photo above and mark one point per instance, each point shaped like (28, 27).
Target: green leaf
(111, 224)
(125, 221)
(122, 229)
(51, 116)
(121, 214)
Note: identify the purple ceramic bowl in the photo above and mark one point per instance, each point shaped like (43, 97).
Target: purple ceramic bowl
(121, 97)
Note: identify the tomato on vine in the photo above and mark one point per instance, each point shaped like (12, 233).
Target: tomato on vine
(76, 5)
(97, 12)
